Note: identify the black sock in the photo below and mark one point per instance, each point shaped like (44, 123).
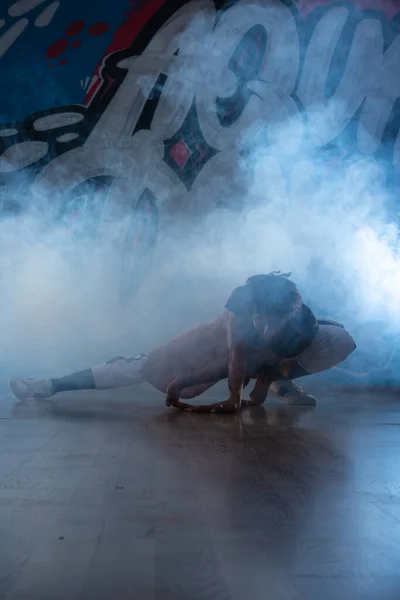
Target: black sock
(83, 380)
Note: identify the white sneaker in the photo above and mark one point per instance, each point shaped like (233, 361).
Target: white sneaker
(26, 389)
(290, 392)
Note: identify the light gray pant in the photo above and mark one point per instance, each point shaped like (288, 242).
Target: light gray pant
(331, 346)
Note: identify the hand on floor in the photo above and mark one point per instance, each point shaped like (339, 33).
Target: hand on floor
(226, 407)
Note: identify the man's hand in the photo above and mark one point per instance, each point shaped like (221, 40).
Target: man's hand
(225, 407)
(259, 393)
(252, 402)
(229, 406)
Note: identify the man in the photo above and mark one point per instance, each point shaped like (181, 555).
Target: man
(266, 333)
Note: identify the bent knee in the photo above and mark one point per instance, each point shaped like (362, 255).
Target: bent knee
(342, 346)
(348, 345)
(332, 346)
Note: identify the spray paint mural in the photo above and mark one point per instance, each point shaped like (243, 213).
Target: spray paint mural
(151, 101)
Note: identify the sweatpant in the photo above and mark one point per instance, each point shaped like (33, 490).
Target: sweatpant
(331, 346)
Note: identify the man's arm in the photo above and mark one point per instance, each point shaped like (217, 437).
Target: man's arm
(236, 372)
(259, 393)
(237, 363)
(206, 377)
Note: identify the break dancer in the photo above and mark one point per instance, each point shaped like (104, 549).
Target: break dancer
(266, 333)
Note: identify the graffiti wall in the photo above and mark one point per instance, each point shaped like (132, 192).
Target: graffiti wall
(147, 102)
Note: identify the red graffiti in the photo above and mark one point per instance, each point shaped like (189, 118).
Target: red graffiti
(63, 62)
(74, 28)
(98, 29)
(180, 153)
(125, 35)
(56, 48)
(138, 16)
(60, 46)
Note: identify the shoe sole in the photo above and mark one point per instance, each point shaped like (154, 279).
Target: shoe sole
(293, 402)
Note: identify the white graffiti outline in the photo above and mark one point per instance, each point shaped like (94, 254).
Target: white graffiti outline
(20, 9)
(190, 78)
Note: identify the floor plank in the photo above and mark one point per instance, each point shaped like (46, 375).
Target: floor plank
(112, 495)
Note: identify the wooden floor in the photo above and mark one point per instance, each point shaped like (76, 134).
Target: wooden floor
(115, 497)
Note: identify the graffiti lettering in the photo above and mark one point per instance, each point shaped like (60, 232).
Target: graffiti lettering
(185, 107)
(354, 85)
(134, 162)
(384, 90)
(273, 85)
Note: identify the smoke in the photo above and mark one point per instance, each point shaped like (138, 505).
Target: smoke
(66, 300)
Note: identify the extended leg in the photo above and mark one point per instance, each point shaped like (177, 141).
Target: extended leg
(41, 389)
(117, 372)
(82, 380)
